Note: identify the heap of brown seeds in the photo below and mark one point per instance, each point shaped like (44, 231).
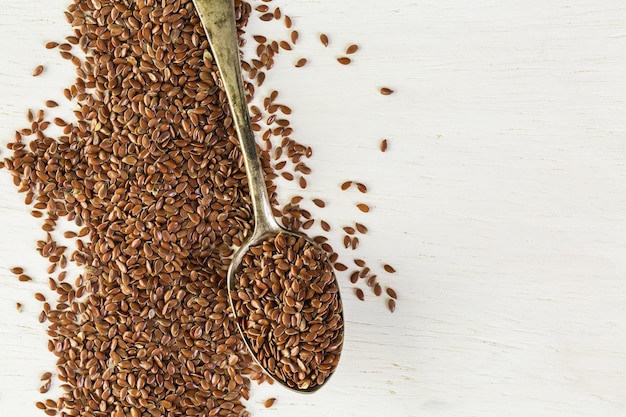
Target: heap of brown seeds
(288, 306)
(149, 169)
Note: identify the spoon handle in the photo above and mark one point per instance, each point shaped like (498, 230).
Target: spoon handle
(218, 18)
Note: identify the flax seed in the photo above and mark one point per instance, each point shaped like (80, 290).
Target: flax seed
(383, 145)
(361, 228)
(51, 45)
(344, 60)
(24, 278)
(17, 270)
(359, 294)
(269, 402)
(319, 203)
(301, 62)
(352, 49)
(345, 185)
(391, 293)
(324, 39)
(389, 268)
(363, 207)
(361, 187)
(325, 226)
(391, 305)
(386, 91)
(38, 70)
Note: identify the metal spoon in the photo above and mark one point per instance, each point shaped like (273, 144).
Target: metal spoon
(218, 18)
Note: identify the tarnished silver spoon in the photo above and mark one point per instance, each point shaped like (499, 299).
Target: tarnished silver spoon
(303, 315)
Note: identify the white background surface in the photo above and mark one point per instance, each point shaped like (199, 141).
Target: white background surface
(501, 201)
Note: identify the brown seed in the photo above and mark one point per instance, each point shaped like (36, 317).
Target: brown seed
(319, 203)
(40, 297)
(359, 294)
(294, 36)
(324, 39)
(344, 60)
(345, 185)
(363, 207)
(325, 226)
(391, 293)
(354, 277)
(301, 62)
(24, 278)
(340, 267)
(45, 375)
(352, 49)
(269, 402)
(359, 262)
(361, 228)
(389, 268)
(361, 187)
(391, 305)
(40, 405)
(288, 22)
(386, 91)
(383, 145)
(266, 17)
(38, 70)
(18, 306)
(17, 270)
(378, 290)
(51, 45)
(349, 230)
(51, 103)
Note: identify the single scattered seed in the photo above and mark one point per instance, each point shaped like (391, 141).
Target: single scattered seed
(354, 243)
(361, 228)
(45, 387)
(269, 402)
(325, 226)
(363, 207)
(344, 60)
(349, 230)
(288, 22)
(51, 103)
(266, 17)
(285, 45)
(24, 278)
(383, 145)
(346, 241)
(386, 91)
(294, 36)
(319, 203)
(324, 39)
(391, 305)
(17, 270)
(40, 405)
(345, 185)
(354, 277)
(39, 296)
(18, 306)
(391, 293)
(389, 268)
(378, 290)
(359, 294)
(51, 45)
(352, 49)
(45, 375)
(361, 187)
(38, 70)
(340, 267)
(301, 62)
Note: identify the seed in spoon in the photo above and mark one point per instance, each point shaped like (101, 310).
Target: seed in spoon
(299, 307)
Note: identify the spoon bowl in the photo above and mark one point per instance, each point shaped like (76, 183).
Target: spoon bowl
(311, 316)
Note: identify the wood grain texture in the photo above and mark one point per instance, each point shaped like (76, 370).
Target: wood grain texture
(501, 201)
